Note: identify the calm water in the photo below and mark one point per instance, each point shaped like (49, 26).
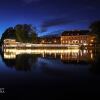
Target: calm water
(28, 71)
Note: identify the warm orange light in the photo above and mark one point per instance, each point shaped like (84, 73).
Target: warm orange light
(90, 44)
(55, 41)
(91, 40)
(42, 41)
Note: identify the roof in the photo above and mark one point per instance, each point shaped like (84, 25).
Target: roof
(81, 32)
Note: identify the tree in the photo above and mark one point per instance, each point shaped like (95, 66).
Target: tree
(95, 28)
(25, 33)
(9, 33)
(21, 32)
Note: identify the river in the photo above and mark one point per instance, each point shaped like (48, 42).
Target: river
(60, 71)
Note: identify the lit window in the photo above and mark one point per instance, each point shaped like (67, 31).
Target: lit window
(55, 41)
(81, 41)
(84, 44)
(42, 41)
(68, 41)
(91, 40)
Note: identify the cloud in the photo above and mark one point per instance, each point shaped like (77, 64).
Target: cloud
(30, 1)
(43, 29)
(61, 21)
(56, 22)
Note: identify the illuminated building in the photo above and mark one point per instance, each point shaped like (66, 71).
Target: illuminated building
(66, 39)
(11, 42)
(77, 38)
(50, 40)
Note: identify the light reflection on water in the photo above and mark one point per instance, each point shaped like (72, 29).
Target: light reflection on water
(27, 59)
(64, 54)
(64, 65)
(67, 68)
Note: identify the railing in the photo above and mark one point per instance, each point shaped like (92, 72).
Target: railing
(39, 45)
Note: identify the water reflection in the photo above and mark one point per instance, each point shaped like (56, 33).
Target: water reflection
(20, 61)
(26, 59)
(95, 65)
(66, 54)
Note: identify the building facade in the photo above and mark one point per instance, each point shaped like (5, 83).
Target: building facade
(77, 38)
(50, 40)
(9, 42)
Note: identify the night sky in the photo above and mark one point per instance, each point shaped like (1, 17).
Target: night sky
(49, 15)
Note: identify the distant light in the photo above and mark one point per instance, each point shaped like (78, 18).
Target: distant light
(91, 40)
(84, 51)
(85, 44)
(55, 41)
(90, 44)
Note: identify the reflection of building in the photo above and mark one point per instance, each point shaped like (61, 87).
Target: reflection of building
(77, 37)
(65, 55)
(21, 62)
(81, 55)
(9, 55)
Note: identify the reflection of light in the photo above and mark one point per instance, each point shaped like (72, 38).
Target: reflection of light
(11, 53)
(65, 54)
(84, 51)
(43, 55)
(91, 55)
(9, 56)
(69, 56)
(39, 51)
(55, 55)
(14, 52)
(81, 53)
(61, 56)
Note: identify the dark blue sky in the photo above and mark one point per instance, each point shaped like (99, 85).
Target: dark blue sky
(49, 15)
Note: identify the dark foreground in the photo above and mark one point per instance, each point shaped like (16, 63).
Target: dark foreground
(55, 89)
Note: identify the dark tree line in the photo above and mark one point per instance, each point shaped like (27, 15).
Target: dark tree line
(95, 29)
(21, 32)
(27, 33)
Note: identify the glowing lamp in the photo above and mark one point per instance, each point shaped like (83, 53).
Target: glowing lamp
(91, 40)
(84, 44)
